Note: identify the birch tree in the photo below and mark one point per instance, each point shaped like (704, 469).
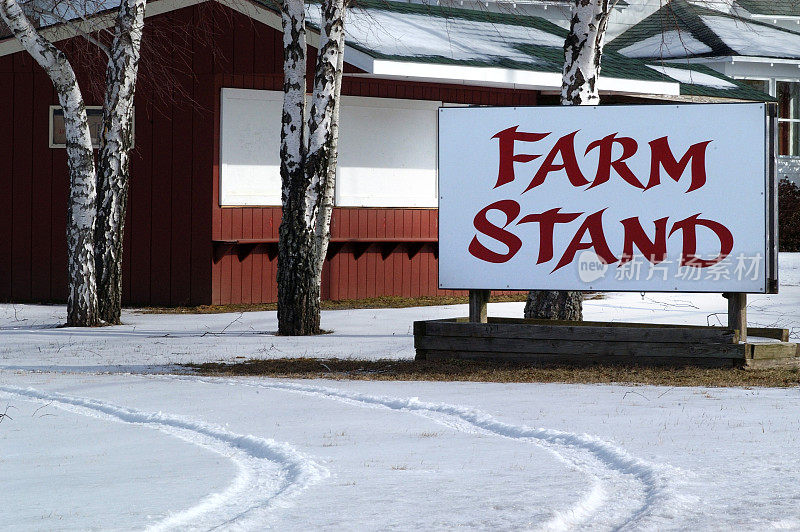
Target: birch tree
(82, 295)
(308, 163)
(98, 195)
(116, 141)
(583, 51)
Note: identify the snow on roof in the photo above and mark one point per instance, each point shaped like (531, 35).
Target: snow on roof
(691, 77)
(781, 8)
(667, 45)
(747, 38)
(426, 33)
(686, 29)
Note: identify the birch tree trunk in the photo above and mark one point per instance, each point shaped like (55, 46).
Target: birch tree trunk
(308, 165)
(114, 158)
(82, 299)
(583, 51)
(298, 297)
(324, 127)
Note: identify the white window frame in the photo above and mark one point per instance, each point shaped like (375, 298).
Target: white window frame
(774, 92)
(772, 84)
(95, 140)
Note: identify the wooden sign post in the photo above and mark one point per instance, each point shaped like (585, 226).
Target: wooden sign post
(737, 312)
(478, 304)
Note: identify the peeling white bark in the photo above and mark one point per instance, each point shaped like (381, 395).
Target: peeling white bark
(82, 298)
(324, 127)
(583, 50)
(114, 157)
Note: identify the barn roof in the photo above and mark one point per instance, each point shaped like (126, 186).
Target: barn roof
(426, 34)
(425, 42)
(683, 29)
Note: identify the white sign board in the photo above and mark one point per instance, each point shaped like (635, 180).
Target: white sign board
(611, 198)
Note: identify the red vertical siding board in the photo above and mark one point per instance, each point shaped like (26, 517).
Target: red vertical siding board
(161, 201)
(22, 189)
(41, 185)
(202, 191)
(243, 42)
(246, 216)
(332, 276)
(247, 264)
(372, 223)
(7, 142)
(226, 216)
(352, 277)
(126, 256)
(59, 192)
(182, 157)
(338, 278)
(235, 280)
(408, 222)
(262, 49)
(371, 270)
(225, 276)
(363, 223)
(258, 259)
(247, 280)
(223, 39)
(204, 142)
(140, 196)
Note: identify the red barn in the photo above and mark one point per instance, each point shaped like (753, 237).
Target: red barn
(203, 214)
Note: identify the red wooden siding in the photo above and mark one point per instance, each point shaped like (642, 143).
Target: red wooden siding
(174, 214)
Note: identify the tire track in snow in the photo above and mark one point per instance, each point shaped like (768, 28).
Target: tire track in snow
(603, 462)
(269, 472)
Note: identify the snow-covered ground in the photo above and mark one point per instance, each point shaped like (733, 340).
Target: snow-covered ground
(84, 449)
(30, 336)
(131, 452)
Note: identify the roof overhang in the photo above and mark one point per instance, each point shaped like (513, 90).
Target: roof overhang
(733, 59)
(493, 76)
(776, 18)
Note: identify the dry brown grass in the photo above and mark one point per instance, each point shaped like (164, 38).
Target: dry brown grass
(478, 371)
(344, 304)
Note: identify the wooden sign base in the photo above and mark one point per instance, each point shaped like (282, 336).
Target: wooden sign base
(551, 341)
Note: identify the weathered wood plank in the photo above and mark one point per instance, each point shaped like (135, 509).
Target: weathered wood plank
(584, 323)
(586, 359)
(781, 350)
(758, 363)
(526, 345)
(569, 332)
(769, 332)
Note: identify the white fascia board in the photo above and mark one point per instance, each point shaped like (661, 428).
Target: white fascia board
(775, 17)
(504, 77)
(638, 86)
(61, 32)
(463, 74)
(735, 59)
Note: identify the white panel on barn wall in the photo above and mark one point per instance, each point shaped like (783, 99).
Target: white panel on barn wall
(387, 153)
(250, 135)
